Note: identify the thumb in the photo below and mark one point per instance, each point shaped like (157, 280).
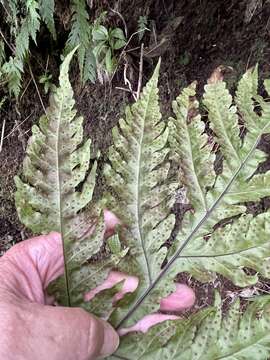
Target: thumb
(77, 334)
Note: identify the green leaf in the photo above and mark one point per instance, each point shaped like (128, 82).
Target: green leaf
(142, 26)
(119, 44)
(137, 173)
(190, 142)
(89, 66)
(217, 236)
(56, 163)
(81, 35)
(100, 33)
(47, 15)
(12, 70)
(118, 34)
(109, 61)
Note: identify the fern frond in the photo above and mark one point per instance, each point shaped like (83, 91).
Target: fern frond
(217, 236)
(12, 70)
(90, 66)
(30, 26)
(138, 173)
(56, 163)
(47, 13)
(206, 336)
(81, 34)
(230, 249)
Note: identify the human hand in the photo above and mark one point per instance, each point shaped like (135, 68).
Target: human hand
(31, 329)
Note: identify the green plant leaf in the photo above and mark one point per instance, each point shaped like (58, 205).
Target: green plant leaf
(119, 44)
(100, 33)
(109, 61)
(81, 35)
(142, 26)
(138, 175)
(56, 164)
(118, 34)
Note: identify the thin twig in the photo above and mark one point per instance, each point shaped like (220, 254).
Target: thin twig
(123, 89)
(124, 51)
(47, 63)
(33, 78)
(123, 20)
(133, 49)
(128, 83)
(25, 89)
(17, 126)
(8, 44)
(2, 134)
(140, 73)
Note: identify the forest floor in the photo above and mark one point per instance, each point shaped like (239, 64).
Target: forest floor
(199, 36)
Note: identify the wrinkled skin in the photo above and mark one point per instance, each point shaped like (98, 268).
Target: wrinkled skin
(33, 330)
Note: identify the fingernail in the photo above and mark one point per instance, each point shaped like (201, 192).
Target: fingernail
(111, 341)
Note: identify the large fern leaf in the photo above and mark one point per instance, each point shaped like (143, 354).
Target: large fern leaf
(56, 164)
(217, 235)
(138, 174)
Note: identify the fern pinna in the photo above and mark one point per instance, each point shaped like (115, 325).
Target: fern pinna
(217, 235)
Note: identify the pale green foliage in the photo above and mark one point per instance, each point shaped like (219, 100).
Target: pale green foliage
(217, 236)
(206, 336)
(142, 26)
(201, 247)
(55, 164)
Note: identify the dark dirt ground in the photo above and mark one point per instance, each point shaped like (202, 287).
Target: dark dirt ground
(212, 32)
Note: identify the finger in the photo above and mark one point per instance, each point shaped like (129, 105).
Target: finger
(146, 323)
(29, 266)
(85, 336)
(181, 299)
(130, 284)
(111, 221)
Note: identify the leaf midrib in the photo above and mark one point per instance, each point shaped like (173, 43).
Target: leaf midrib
(61, 227)
(138, 202)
